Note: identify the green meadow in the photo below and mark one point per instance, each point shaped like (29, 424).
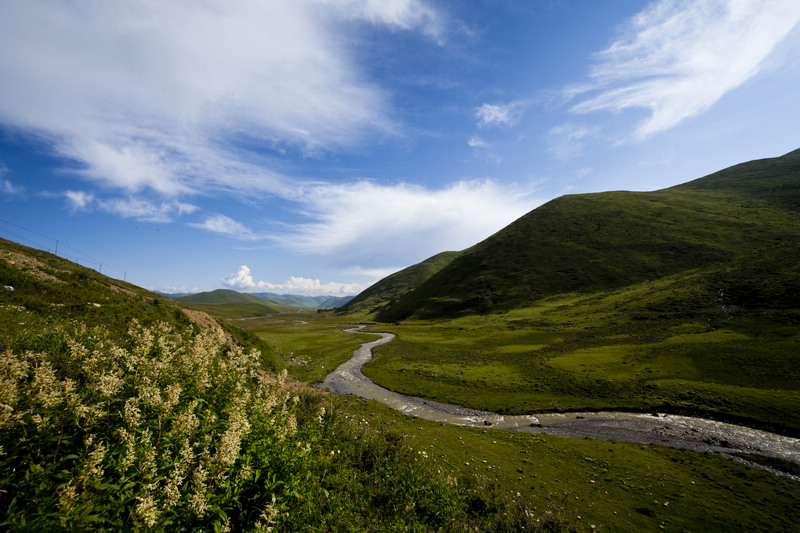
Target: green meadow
(568, 484)
(611, 349)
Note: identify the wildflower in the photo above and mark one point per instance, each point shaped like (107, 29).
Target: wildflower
(67, 496)
(198, 500)
(230, 442)
(147, 464)
(130, 450)
(109, 384)
(92, 469)
(48, 393)
(186, 423)
(146, 511)
(267, 517)
(131, 413)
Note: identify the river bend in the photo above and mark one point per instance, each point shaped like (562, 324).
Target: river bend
(665, 429)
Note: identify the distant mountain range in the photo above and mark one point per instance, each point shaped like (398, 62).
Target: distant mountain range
(227, 296)
(740, 226)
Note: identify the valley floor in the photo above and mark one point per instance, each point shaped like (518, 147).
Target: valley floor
(692, 433)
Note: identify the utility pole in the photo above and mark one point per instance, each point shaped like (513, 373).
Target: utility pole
(56, 247)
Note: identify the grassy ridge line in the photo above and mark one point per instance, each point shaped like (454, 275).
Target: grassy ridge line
(57, 291)
(395, 285)
(600, 241)
(221, 296)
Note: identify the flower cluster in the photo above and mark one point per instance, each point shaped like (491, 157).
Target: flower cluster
(168, 426)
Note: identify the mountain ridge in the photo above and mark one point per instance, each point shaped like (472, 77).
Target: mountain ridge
(229, 296)
(596, 241)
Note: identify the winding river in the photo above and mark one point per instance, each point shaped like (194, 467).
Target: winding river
(665, 429)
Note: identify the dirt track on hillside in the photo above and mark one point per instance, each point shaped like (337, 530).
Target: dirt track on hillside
(678, 431)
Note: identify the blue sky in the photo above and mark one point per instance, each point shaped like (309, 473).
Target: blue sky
(315, 146)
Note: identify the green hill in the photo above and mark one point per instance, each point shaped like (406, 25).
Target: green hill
(221, 296)
(55, 292)
(590, 242)
(387, 290)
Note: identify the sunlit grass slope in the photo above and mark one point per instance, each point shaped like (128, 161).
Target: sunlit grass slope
(595, 242)
(221, 296)
(53, 290)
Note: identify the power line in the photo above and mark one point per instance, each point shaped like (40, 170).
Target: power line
(58, 243)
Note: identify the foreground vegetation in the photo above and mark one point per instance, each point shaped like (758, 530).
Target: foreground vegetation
(135, 415)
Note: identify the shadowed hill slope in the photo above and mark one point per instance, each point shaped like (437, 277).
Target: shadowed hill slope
(588, 242)
(387, 290)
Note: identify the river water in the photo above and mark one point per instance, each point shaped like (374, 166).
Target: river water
(658, 428)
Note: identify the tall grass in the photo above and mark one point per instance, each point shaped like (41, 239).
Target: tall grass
(171, 428)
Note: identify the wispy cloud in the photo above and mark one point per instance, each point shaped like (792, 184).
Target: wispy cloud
(678, 57)
(156, 95)
(498, 114)
(243, 279)
(140, 209)
(565, 140)
(352, 223)
(8, 188)
(228, 227)
(78, 200)
(477, 142)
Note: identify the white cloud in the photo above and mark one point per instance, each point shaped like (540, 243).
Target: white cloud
(677, 58)
(151, 95)
(224, 225)
(78, 200)
(498, 115)
(243, 280)
(400, 14)
(375, 225)
(145, 210)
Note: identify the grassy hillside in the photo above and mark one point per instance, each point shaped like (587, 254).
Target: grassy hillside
(593, 242)
(122, 411)
(386, 291)
(54, 292)
(221, 296)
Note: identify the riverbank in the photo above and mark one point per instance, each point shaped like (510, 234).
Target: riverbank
(694, 433)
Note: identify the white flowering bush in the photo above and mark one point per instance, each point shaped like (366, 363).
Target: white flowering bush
(174, 429)
(168, 429)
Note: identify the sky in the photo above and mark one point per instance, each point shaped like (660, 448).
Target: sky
(315, 146)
